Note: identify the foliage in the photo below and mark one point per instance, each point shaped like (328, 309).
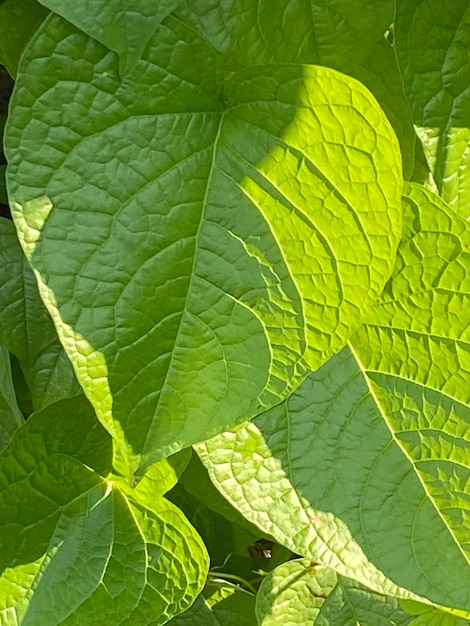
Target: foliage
(238, 226)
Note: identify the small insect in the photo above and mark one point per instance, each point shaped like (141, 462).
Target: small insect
(261, 549)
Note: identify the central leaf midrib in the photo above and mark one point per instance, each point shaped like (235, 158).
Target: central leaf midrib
(395, 439)
(192, 274)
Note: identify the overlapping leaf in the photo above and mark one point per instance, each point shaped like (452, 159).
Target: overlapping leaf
(224, 229)
(350, 604)
(425, 615)
(19, 20)
(293, 593)
(10, 415)
(432, 45)
(220, 606)
(346, 36)
(124, 26)
(368, 462)
(76, 550)
(26, 328)
(223, 529)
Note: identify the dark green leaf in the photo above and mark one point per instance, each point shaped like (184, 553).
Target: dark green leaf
(19, 20)
(75, 549)
(124, 26)
(10, 415)
(26, 328)
(432, 42)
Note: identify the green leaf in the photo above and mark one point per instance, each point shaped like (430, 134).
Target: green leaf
(293, 593)
(434, 616)
(256, 32)
(76, 550)
(3, 188)
(158, 479)
(133, 22)
(383, 427)
(377, 68)
(244, 204)
(19, 20)
(350, 604)
(221, 536)
(431, 45)
(75, 432)
(196, 482)
(221, 606)
(345, 36)
(10, 415)
(26, 328)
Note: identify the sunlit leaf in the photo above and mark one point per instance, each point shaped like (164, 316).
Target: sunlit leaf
(218, 242)
(383, 429)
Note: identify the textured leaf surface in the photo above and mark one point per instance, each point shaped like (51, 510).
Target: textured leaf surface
(26, 328)
(350, 604)
(226, 606)
(10, 415)
(204, 223)
(251, 32)
(383, 428)
(432, 46)
(19, 20)
(221, 526)
(293, 593)
(124, 26)
(68, 427)
(76, 550)
(196, 481)
(425, 615)
(159, 478)
(346, 36)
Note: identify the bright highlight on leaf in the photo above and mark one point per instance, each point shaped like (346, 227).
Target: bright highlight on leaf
(206, 240)
(293, 593)
(391, 427)
(219, 241)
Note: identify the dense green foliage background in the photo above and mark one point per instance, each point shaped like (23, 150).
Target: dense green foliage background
(234, 312)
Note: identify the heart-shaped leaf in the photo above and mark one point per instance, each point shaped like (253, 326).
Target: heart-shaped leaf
(76, 550)
(197, 251)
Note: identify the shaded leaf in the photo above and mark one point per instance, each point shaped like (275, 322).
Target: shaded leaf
(133, 23)
(245, 204)
(26, 328)
(432, 47)
(345, 36)
(220, 606)
(3, 188)
(19, 20)
(221, 536)
(10, 415)
(434, 616)
(158, 479)
(68, 427)
(350, 604)
(76, 550)
(196, 482)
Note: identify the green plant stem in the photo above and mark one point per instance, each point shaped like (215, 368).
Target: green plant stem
(239, 579)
